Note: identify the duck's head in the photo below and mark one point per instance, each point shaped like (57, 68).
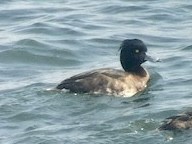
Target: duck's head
(133, 54)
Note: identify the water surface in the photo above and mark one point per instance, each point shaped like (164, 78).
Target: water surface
(44, 42)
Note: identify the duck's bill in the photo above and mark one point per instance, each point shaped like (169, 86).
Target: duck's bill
(152, 59)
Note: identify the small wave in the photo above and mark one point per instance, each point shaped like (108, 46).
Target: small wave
(172, 59)
(104, 42)
(26, 57)
(188, 48)
(115, 9)
(30, 43)
(52, 29)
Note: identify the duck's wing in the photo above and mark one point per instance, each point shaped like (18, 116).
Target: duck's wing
(182, 121)
(90, 81)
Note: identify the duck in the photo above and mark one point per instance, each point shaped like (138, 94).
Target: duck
(179, 122)
(129, 81)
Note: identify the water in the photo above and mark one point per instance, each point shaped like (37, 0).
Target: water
(44, 42)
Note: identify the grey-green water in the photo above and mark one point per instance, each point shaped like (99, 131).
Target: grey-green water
(44, 42)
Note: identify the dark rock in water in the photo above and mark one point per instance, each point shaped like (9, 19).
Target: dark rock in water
(179, 122)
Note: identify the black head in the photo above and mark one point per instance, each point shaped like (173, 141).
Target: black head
(133, 54)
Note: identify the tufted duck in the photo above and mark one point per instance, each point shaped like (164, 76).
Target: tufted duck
(109, 81)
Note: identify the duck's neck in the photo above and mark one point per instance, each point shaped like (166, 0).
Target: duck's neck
(137, 71)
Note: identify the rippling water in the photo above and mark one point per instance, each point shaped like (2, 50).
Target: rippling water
(43, 42)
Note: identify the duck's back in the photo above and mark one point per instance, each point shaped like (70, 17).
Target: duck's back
(179, 122)
(106, 81)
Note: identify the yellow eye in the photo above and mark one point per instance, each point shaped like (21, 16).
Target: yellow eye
(136, 51)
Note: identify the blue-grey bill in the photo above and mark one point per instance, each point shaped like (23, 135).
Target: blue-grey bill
(152, 59)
